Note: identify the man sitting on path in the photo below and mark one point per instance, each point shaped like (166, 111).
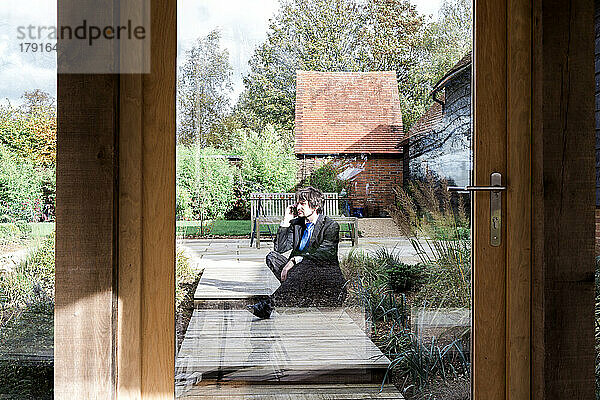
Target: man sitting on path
(311, 275)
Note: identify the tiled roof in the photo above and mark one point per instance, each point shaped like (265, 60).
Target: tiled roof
(433, 115)
(426, 123)
(347, 112)
(464, 63)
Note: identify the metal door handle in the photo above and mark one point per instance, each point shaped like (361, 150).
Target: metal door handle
(476, 188)
(496, 189)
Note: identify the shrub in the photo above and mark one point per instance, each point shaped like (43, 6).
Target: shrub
(325, 178)
(9, 233)
(21, 188)
(183, 205)
(358, 263)
(41, 264)
(240, 209)
(268, 165)
(368, 284)
(206, 182)
(382, 268)
(401, 277)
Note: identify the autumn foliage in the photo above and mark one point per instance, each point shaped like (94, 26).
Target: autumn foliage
(28, 158)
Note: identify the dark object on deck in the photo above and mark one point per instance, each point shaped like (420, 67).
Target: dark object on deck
(262, 309)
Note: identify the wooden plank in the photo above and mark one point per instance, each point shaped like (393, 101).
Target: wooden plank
(518, 200)
(563, 201)
(489, 155)
(158, 199)
(231, 279)
(289, 392)
(85, 258)
(129, 380)
(294, 344)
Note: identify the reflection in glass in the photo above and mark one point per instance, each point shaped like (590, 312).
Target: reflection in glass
(364, 285)
(27, 205)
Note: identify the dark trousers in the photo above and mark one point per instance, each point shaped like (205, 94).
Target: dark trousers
(308, 283)
(276, 262)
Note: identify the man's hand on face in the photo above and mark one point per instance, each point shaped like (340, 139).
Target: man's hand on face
(289, 215)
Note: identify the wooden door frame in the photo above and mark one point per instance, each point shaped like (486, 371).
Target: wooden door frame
(115, 253)
(501, 143)
(132, 244)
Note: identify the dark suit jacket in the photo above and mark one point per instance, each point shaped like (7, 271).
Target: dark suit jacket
(323, 244)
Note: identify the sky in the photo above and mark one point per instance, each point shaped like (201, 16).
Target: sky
(243, 25)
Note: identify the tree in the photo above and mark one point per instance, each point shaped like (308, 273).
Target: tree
(30, 130)
(449, 37)
(320, 35)
(352, 35)
(394, 39)
(442, 43)
(203, 87)
(205, 183)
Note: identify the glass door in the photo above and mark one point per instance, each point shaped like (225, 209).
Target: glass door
(358, 116)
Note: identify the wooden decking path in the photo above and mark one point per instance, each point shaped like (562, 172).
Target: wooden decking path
(235, 280)
(355, 391)
(295, 344)
(232, 273)
(299, 353)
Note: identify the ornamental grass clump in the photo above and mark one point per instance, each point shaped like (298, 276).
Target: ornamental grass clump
(436, 224)
(368, 287)
(184, 274)
(385, 288)
(32, 281)
(418, 363)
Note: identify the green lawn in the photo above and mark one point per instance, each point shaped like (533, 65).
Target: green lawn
(24, 233)
(41, 229)
(218, 228)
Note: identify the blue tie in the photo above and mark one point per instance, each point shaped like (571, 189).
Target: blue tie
(306, 236)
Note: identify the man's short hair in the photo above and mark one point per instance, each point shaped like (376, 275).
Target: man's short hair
(313, 196)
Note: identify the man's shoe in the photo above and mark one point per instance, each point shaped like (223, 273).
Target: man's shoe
(262, 309)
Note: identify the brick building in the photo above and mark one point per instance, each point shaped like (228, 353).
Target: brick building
(354, 119)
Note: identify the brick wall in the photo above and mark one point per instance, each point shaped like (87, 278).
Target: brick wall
(372, 188)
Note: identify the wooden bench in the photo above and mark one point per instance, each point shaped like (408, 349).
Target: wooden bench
(269, 208)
